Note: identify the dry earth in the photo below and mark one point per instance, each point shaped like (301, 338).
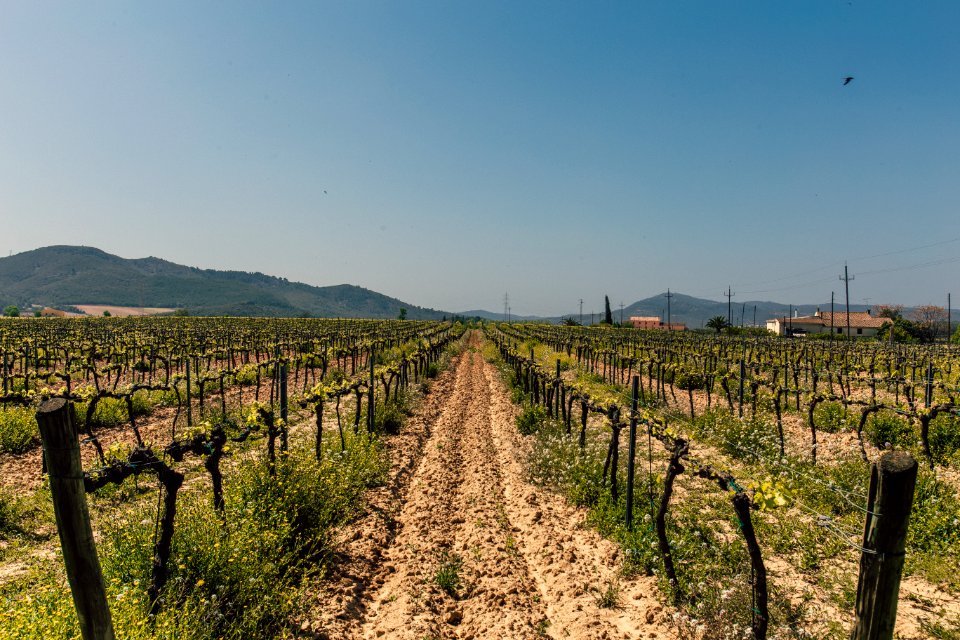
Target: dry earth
(122, 312)
(920, 601)
(526, 564)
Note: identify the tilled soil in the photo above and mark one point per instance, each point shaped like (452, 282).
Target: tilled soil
(460, 545)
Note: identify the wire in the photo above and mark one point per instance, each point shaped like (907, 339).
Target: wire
(828, 485)
(827, 524)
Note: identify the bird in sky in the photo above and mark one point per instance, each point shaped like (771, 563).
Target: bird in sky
(847, 80)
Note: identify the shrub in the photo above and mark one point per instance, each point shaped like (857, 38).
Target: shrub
(433, 370)
(447, 576)
(935, 519)
(246, 374)
(8, 512)
(531, 420)
(240, 574)
(18, 429)
(748, 438)
(110, 412)
(389, 416)
(882, 428)
(831, 417)
(944, 438)
(687, 381)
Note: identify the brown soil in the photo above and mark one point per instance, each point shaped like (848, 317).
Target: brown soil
(528, 566)
(122, 312)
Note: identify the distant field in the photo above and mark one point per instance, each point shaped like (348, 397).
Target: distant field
(121, 312)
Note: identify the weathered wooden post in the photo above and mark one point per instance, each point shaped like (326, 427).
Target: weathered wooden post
(556, 391)
(61, 449)
(189, 407)
(370, 397)
(743, 374)
(632, 451)
(892, 483)
(283, 406)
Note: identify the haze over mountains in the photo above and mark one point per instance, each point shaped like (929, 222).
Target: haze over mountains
(694, 312)
(63, 276)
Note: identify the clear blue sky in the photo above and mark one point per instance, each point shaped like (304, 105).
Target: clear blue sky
(448, 152)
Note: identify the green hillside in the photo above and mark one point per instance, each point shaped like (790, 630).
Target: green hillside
(59, 276)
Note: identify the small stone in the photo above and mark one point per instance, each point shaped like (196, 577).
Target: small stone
(455, 617)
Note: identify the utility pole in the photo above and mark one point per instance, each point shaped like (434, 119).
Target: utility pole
(846, 277)
(506, 307)
(754, 315)
(949, 320)
(621, 313)
(729, 295)
(668, 295)
(743, 310)
(581, 311)
(831, 315)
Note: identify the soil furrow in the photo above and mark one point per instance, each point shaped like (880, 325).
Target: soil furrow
(467, 548)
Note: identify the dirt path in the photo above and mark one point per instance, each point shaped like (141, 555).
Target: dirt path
(520, 562)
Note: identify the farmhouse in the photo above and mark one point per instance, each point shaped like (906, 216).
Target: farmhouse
(862, 324)
(653, 322)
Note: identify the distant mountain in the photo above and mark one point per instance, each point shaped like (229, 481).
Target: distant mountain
(491, 315)
(695, 312)
(61, 276)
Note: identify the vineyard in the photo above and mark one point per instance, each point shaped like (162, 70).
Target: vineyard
(216, 477)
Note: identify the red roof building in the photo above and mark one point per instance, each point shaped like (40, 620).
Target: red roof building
(862, 324)
(653, 322)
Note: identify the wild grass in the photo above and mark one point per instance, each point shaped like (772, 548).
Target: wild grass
(238, 574)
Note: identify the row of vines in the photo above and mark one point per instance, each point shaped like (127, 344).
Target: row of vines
(749, 416)
(209, 403)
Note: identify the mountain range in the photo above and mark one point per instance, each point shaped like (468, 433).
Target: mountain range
(693, 312)
(68, 276)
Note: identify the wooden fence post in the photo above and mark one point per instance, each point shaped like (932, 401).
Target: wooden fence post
(631, 453)
(189, 392)
(283, 406)
(61, 448)
(556, 391)
(371, 422)
(892, 482)
(743, 374)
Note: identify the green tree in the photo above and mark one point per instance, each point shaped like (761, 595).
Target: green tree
(402, 315)
(717, 323)
(607, 314)
(956, 336)
(106, 313)
(12, 311)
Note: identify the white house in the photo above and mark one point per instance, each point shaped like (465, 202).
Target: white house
(862, 324)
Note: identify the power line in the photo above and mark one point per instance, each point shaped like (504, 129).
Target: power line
(884, 254)
(846, 277)
(668, 295)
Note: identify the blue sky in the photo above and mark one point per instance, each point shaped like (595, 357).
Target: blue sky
(448, 152)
